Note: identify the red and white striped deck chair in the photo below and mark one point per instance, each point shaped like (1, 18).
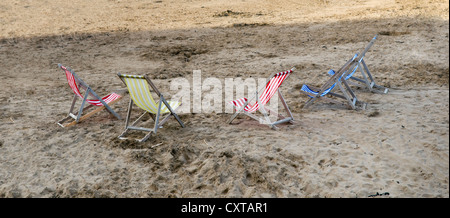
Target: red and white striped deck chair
(243, 105)
(101, 103)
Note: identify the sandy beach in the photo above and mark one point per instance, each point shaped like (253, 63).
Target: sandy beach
(398, 147)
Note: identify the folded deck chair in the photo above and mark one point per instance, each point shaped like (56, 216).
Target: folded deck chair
(367, 79)
(142, 97)
(94, 101)
(243, 105)
(338, 79)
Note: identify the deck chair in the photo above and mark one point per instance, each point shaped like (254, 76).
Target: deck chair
(141, 96)
(94, 100)
(367, 80)
(338, 79)
(243, 106)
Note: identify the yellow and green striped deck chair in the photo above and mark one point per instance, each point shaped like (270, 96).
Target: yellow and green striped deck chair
(139, 90)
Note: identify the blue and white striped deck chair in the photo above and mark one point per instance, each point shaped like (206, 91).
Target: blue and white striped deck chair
(139, 90)
(336, 80)
(367, 79)
(305, 88)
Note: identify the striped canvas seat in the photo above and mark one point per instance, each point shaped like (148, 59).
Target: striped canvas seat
(75, 83)
(270, 89)
(142, 97)
(305, 88)
(139, 88)
(243, 105)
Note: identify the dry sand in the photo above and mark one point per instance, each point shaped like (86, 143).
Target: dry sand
(399, 145)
